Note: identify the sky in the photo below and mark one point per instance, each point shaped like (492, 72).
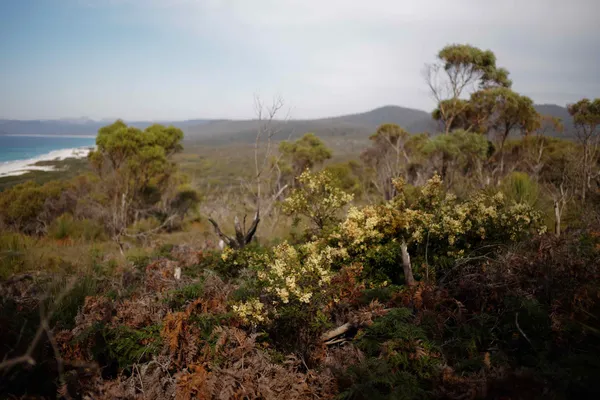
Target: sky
(185, 59)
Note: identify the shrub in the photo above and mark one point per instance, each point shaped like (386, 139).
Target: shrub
(376, 379)
(67, 309)
(433, 221)
(127, 346)
(318, 198)
(180, 298)
(382, 262)
(518, 187)
(12, 249)
(66, 226)
(21, 206)
(400, 363)
(230, 262)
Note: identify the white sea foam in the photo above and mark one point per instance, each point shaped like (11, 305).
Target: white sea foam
(20, 167)
(52, 136)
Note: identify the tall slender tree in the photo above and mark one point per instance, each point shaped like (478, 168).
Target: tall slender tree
(586, 117)
(459, 70)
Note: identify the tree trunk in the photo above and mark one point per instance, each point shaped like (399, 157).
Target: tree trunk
(406, 265)
(585, 172)
(557, 215)
(506, 133)
(584, 181)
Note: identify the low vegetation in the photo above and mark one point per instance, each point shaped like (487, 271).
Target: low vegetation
(463, 265)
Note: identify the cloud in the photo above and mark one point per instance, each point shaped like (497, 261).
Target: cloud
(337, 56)
(339, 43)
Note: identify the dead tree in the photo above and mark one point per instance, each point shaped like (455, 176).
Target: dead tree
(559, 205)
(561, 195)
(242, 236)
(268, 127)
(406, 265)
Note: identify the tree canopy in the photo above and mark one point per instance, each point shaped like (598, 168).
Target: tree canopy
(461, 69)
(304, 153)
(138, 179)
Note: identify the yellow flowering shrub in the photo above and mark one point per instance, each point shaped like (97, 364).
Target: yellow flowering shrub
(227, 253)
(295, 274)
(290, 275)
(318, 198)
(433, 218)
(437, 218)
(363, 226)
(251, 311)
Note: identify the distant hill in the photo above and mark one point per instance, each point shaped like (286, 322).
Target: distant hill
(560, 112)
(387, 114)
(352, 126)
(78, 126)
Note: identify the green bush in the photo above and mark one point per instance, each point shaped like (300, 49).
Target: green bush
(296, 327)
(231, 262)
(383, 262)
(127, 346)
(376, 379)
(21, 205)
(67, 309)
(520, 188)
(12, 250)
(67, 227)
(382, 294)
(139, 257)
(401, 363)
(179, 298)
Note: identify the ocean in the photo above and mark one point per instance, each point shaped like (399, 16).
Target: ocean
(19, 154)
(14, 148)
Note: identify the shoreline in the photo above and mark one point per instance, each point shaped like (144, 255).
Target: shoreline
(50, 136)
(20, 167)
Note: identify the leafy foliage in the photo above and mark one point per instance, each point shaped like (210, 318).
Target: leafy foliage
(22, 205)
(318, 198)
(138, 180)
(304, 153)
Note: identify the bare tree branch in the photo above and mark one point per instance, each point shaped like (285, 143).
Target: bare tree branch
(268, 128)
(43, 327)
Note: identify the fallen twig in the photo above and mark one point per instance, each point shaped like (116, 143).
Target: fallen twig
(521, 330)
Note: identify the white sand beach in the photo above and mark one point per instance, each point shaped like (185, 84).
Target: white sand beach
(20, 167)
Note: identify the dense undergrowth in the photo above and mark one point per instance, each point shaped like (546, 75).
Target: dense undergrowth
(516, 320)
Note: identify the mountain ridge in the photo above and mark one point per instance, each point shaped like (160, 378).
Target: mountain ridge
(219, 130)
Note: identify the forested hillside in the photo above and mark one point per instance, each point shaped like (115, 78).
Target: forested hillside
(461, 262)
(228, 131)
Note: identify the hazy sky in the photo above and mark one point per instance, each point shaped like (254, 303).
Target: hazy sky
(177, 59)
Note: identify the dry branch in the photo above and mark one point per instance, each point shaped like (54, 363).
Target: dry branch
(335, 333)
(43, 327)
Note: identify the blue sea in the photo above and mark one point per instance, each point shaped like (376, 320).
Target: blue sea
(14, 148)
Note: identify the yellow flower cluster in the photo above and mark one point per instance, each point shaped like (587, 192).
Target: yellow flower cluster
(317, 198)
(227, 253)
(362, 226)
(433, 188)
(438, 216)
(290, 275)
(251, 311)
(296, 274)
